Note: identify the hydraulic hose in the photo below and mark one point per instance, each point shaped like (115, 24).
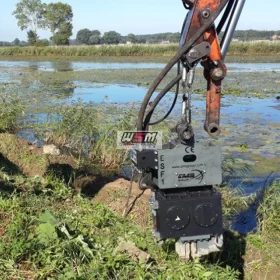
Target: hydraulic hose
(185, 48)
(158, 99)
(225, 16)
(164, 91)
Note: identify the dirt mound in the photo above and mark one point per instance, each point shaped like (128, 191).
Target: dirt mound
(115, 195)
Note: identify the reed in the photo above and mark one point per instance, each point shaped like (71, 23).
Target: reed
(237, 48)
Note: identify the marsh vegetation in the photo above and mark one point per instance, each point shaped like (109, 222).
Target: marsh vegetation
(61, 216)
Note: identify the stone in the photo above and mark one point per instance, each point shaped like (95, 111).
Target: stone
(135, 253)
(51, 150)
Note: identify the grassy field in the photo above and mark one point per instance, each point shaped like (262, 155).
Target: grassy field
(237, 48)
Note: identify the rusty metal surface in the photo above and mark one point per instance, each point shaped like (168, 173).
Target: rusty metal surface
(215, 69)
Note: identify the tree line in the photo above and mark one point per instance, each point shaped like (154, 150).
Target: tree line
(33, 15)
(88, 37)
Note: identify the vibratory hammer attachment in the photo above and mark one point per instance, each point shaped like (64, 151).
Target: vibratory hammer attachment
(184, 203)
(182, 175)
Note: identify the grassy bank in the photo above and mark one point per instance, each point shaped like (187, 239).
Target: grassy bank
(237, 48)
(52, 235)
(46, 232)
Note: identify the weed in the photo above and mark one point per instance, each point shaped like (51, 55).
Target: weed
(84, 129)
(268, 213)
(75, 127)
(11, 110)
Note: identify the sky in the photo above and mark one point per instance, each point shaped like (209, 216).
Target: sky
(138, 17)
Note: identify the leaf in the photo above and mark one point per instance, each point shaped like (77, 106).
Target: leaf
(207, 274)
(47, 217)
(46, 233)
(80, 240)
(64, 231)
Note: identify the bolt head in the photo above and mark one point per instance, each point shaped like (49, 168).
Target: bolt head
(205, 14)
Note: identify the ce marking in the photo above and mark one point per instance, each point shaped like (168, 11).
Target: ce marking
(189, 150)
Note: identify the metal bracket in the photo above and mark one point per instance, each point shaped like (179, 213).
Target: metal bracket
(198, 52)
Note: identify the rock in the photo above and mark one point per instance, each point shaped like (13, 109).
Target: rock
(278, 97)
(51, 150)
(135, 253)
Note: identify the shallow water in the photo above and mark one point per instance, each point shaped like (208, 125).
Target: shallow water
(83, 66)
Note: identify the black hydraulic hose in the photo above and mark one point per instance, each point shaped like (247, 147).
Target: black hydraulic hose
(172, 106)
(225, 16)
(165, 90)
(159, 98)
(230, 19)
(185, 48)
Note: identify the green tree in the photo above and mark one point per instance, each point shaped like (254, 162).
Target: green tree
(94, 40)
(111, 37)
(141, 40)
(88, 37)
(62, 36)
(83, 36)
(95, 33)
(42, 43)
(16, 42)
(131, 38)
(29, 14)
(32, 38)
(58, 18)
(174, 37)
(4, 44)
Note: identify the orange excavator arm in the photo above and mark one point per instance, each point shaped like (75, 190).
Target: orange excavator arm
(200, 42)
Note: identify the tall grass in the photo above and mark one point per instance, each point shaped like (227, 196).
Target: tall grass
(237, 48)
(92, 132)
(11, 110)
(269, 212)
(254, 48)
(104, 50)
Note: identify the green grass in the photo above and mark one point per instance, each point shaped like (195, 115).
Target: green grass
(268, 213)
(130, 50)
(90, 131)
(11, 110)
(237, 48)
(48, 234)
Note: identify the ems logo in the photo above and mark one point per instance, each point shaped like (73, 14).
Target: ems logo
(139, 139)
(194, 175)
